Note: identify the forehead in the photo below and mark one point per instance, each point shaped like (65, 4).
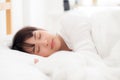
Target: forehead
(40, 30)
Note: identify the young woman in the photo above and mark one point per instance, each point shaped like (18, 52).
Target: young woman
(75, 36)
(38, 41)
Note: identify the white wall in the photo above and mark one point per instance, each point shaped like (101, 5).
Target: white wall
(17, 15)
(37, 12)
(98, 2)
(26, 12)
(44, 12)
(41, 13)
(108, 2)
(2, 22)
(54, 10)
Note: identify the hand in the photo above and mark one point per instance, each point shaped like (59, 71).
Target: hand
(36, 60)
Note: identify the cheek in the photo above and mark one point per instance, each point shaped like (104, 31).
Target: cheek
(40, 54)
(45, 52)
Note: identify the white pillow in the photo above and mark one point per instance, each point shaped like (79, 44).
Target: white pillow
(106, 30)
(16, 65)
(21, 57)
(11, 69)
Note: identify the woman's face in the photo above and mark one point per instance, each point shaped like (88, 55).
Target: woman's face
(44, 43)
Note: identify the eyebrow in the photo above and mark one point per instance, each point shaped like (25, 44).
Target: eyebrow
(26, 45)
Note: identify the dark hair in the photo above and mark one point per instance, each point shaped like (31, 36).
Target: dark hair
(19, 38)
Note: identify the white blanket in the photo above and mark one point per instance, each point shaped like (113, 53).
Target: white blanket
(62, 65)
(114, 59)
(72, 66)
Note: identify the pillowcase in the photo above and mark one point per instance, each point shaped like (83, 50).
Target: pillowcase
(22, 57)
(11, 69)
(16, 65)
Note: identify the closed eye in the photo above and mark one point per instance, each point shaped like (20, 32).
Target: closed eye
(33, 49)
(38, 49)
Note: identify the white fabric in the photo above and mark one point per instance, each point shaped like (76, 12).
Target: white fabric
(114, 57)
(76, 32)
(105, 22)
(62, 65)
(11, 69)
(65, 65)
(105, 30)
(15, 65)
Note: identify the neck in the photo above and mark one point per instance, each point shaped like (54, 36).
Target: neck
(63, 44)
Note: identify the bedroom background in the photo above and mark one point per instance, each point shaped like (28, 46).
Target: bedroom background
(15, 65)
(43, 13)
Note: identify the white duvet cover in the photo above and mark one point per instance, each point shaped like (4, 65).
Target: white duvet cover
(72, 66)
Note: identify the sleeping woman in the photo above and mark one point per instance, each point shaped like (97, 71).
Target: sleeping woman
(74, 36)
(38, 41)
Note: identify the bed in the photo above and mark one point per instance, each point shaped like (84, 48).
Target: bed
(64, 65)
